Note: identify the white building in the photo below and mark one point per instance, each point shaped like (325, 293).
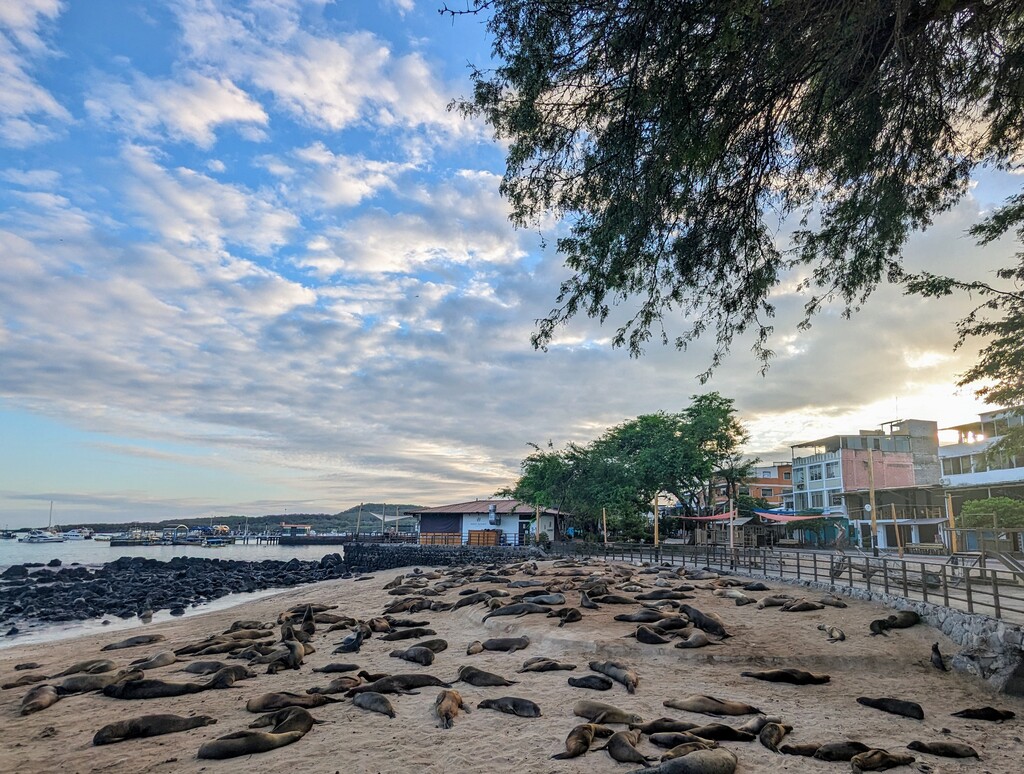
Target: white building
(968, 466)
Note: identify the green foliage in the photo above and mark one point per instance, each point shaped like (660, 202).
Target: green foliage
(674, 136)
(979, 513)
(747, 504)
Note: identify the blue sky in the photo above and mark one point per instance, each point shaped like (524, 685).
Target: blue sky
(250, 262)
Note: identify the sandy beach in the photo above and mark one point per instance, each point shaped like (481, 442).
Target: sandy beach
(59, 738)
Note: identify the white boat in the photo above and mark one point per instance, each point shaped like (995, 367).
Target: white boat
(78, 534)
(42, 536)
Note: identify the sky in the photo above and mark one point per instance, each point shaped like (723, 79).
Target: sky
(250, 263)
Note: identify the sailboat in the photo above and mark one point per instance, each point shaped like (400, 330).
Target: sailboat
(43, 535)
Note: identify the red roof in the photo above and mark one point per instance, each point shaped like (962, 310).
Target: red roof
(483, 507)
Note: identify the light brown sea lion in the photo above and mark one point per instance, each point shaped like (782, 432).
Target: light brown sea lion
(834, 633)
(341, 684)
(281, 699)
(879, 760)
(39, 698)
(716, 761)
(93, 666)
(157, 660)
(147, 726)
(474, 647)
(240, 743)
(709, 705)
(580, 738)
(512, 705)
(695, 639)
(28, 665)
(447, 706)
(422, 656)
(621, 746)
(672, 739)
(685, 749)
(90, 683)
(24, 680)
(619, 672)
(801, 606)
(287, 719)
(134, 642)
(772, 601)
(945, 749)
(598, 712)
(788, 675)
(772, 734)
(755, 724)
(374, 702)
(542, 664)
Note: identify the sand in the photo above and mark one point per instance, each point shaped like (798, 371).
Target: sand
(355, 741)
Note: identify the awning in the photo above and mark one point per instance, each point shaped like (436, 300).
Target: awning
(788, 518)
(716, 517)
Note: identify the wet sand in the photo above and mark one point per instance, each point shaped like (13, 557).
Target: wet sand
(356, 741)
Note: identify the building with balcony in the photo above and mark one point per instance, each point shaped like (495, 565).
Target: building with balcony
(772, 483)
(970, 470)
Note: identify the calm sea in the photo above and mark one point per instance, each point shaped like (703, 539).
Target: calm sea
(93, 553)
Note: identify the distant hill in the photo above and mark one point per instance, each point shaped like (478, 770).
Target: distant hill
(344, 521)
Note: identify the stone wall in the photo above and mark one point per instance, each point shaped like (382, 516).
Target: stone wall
(371, 557)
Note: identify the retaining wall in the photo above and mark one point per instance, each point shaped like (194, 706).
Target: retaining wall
(371, 557)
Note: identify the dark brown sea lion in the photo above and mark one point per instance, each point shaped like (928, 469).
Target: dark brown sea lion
(447, 706)
(342, 684)
(672, 739)
(417, 655)
(90, 683)
(908, 709)
(598, 712)
(903, 619)
(593, 682)
(506, 644)
(329, 668)
(648, 636)
(541, 664)
(480, 678)
(985, 713)
(580, 738)
(706, 621)
(93, 666)
(148, 725)
(374, 702)
(614, 599)
(879, 760)
(808, 749)
(715, 761)
(246, 743)
(836, 751)
(936, 658)
(622, 748)
(28, 665)
(39, 698)
(787, 675)
(512, 705)
(268, 702)
(663, 725)
(518, 609)
(400, 684)
(566, 615)
(407, 634)
(587, 603)
(134, 642)
(287, 719)
(645, 615)
(204, 667)
(709, 705)
(945, 749)
(722, 733)
(24, 680)
(772, 734)
(619, 672)
(435, 645)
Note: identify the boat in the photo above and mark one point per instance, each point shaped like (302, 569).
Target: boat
(7, 535)
(78, 534)
(102, 536)
(136, 537)
(42, 536)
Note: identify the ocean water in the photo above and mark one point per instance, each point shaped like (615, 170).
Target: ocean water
(94, 553)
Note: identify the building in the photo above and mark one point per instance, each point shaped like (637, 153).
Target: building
(970, 471)
(772, 483)
(486, 522)
(900, 461)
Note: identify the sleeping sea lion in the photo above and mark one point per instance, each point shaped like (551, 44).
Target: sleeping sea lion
(480, 678)
(663, 725)
(619, 672)
(908, 709)
(374, 702)
(709, 705)
(512, 705)
(281, 699)
(246, 743)
(134, 642)
(715, 761)
(837, 751)
(447, 706)
(148, 725)
(879, 760)
(541, 664)
(598, 712)
(580, 738)
(39, 698)
(593, 682)
(788, 675)
(945, 749)
(985, 713)
(622, 748)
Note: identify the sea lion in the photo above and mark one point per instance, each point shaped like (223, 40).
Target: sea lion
(506, 644)
(600, 713)
(709, 705)
(134, 642)
(480, 678)
(400, 684)
(808, 749)
(435, 645)
(513, 705)
(878, 626)
(688, 747)
(801, 606)
(622, 748)
(566, 615)
(587, 603)
(421, 656)
(148, 725)
(287, 719)
(985, 713)
(903, 620)
(407, 634)
(90, 683)
(161, 689)
(24, 680)
(204, 667)
(161, 659)
(39, 698)
(837, 751)
(246, 743)
(645, 615)
(908, 709)
(648, 636)
(773, 601)
(672, 739)
(832, 601)
(447, 706)
(291, 658)
(705, 621)
(788, 675)
(695, 639)
(93, 666)
(663, 725)
(268, 702)
(945, 749)
(541, 664)
(614, 599)
(372, 677)
(879, 760)
(593, 682)
(329, 668)
(834, 633)
(936, 657)
(341, 684)
(772, 734)
(374, 702)
(755, 724)
(714, 761)
(619, 672)
(545, 599)
(518, 609)
(352, 643)
(28, 665)
(580, 738)
(722, 733)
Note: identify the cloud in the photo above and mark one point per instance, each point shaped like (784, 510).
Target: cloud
(190, 109)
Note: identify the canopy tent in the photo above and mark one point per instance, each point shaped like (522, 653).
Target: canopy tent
(792, 516)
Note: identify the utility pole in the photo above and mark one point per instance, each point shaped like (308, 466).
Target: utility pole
(954, 541)
(871, 499)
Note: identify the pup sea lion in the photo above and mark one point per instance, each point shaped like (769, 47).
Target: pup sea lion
(834, 633)
(709, 705)
(374, 702)
(985, 713)
(480, 678)
(879, 760)
(447, 706)
(837, 751)
(600, 713)
(662, 725)
(908, 709)
(329, 668)
(937, 661)
(246, 743)
(407, 634)
(593, 682)
(421, 656)
(945, 749)
(513, 705)
(566, 615)
(148, 725)
(772, 734)
(268, 702)
(715, 761)
(755, 724)
(580, 738)
(619, 672)
(134, 642)
(722, 733)
(696, 639)
(787, 675)
(878, 626)
(39, 698)
(622, 748)
(341, 684)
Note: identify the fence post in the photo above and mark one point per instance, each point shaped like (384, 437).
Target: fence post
(995, 594)
(885, 575)
(924, 583)
(814, 558)
(903, 568)
(967, 586)
(868, 572)
(945, 587)
(849, 567)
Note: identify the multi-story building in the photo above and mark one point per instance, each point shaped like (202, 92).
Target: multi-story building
(773, 483)
(970, 470)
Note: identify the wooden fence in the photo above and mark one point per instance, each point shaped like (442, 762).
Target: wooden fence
(955, 583)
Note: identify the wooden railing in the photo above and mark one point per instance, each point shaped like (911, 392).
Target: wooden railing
(962, 583)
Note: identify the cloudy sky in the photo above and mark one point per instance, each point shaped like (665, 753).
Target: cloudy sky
(249, 263)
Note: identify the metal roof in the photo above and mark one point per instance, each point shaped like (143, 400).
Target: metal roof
(502, 506)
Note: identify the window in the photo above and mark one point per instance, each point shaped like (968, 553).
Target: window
(951, 466)
(765, 493)
(902, 444)
(801, 501)
(815, 472)
(799, 474)
(787, 475)
(835, 498)
(817, 500)
(831, 469)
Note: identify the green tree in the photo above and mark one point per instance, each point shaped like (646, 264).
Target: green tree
(675, 136)
(1006, 512)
